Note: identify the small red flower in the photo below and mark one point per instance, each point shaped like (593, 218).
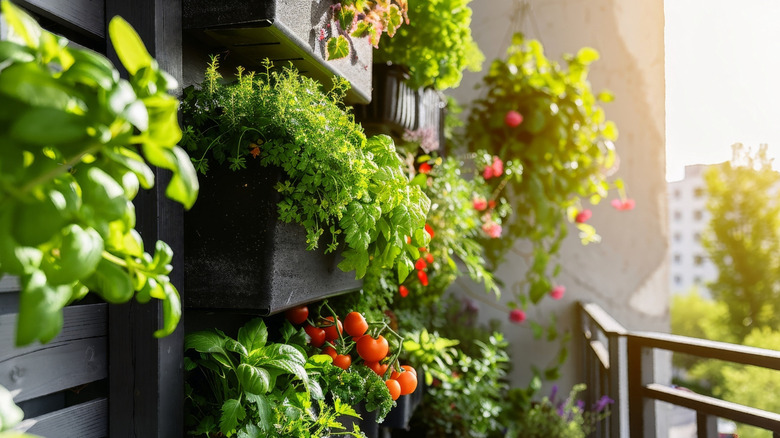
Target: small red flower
(557, 292)
(403, 290)
(429, 258)
(255, 151)
(620, 204)
(423, 277)
(516, 316)
(420, 264)
(423, 249)
(488, 172)
(429, 230)
(479, 203)
(408, 240)
(424, 168)
(491, 204)
(513, 119)
(583, 216)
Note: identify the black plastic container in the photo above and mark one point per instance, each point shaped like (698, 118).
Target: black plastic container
(399, 416)
(238, 256)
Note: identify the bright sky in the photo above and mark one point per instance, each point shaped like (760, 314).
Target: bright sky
(722, 79)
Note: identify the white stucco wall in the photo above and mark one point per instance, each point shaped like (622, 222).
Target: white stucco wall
(627, 273)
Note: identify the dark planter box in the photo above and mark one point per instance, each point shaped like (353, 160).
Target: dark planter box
(367, 421)
(399, 416)
(396, 108)
(239, 256)
(284, 31)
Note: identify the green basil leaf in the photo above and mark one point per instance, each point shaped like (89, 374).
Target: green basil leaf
(38, 221)
(253, 335)
(128, 45)
(79, 254)
(183, 187)
(111, 282)
(253, 379)
(22, 26)
(49, 126)
(102, 193)
(40, 309)
(171, 311)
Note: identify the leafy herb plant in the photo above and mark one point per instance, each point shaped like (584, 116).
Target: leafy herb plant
(436, 45)
(337, 181)
(258, 388)
(73, 133)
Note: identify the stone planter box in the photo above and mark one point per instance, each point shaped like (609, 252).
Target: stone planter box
(284, 31)
(238, 256)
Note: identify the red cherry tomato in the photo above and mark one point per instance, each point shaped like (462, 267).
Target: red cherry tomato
(343, 361)
(408, 382)
(330, 331)
(372, 350)
(316, 335)
(355, 324)
(394, 387)
(376, 367)
(330, 351)
(410, 369)
(297, 315)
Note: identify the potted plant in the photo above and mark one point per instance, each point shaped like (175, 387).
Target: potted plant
(348, 192)
(543, 121)
(74, 134)
(325, 39)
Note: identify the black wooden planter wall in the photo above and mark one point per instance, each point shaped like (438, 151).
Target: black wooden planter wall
(135, 381)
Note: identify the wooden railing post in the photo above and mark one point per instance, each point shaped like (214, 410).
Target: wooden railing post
(618, 386)
(706, 425)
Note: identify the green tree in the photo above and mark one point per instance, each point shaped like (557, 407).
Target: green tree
(743, 237)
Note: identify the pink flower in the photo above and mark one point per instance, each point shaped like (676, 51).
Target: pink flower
(557, 292)
(516, 316)
(479, 203)
(492, 229)
(498, 166)
(493, 170)
(513, 119)
(583, 216)
(488, 172)
(620, 204)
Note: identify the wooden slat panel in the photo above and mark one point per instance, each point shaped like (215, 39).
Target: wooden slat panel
(85, 16)
(81, 322)
(54, 368)
(87, 420)
(9, 284)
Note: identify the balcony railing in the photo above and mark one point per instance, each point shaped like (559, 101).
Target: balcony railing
(624, 365)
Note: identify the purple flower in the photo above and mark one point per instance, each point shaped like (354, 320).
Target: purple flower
(602, 403)
(553, 393)
(580, 405)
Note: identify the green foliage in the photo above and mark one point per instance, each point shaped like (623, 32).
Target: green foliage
(432, 353)
(469, 402)
(436, 45)
(257, 388)
(742, 239)
(338, 182)
(73, 136)
(559, 155)
(10, 414)
(698, 317)
(548, 418)
(357, 384)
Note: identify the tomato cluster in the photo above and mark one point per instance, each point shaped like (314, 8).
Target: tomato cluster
(354, 340)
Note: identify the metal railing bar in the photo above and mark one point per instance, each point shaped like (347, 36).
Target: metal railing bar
(601, 352)
(604, 320)
(713, 406)
(710, 349)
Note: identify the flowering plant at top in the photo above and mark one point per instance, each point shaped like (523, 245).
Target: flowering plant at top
(557, 148)
(360, 18)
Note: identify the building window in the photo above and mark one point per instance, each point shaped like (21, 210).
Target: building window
(698, 192)
(677, 259)
(698, 260)
(697, 280)
(677, 280)
(677, 215)
(677, 194)
(697, 237)
(677, 237)
(698, 215)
